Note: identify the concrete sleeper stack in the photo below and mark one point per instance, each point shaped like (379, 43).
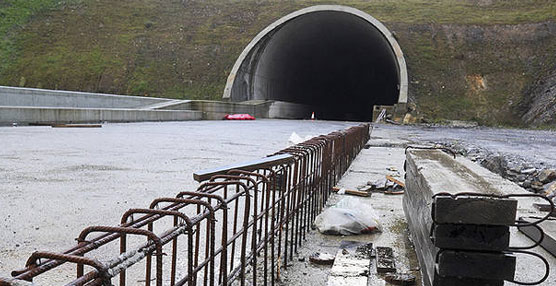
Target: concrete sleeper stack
(473, 245)
(459, 239)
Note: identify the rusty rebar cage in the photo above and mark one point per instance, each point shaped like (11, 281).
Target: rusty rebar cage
(240, 225)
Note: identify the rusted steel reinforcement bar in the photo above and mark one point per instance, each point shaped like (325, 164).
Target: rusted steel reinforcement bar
(251, 216)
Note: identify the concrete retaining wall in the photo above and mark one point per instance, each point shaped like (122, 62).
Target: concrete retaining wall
(288, 110)
(25, 115)
(215, 110)
(28, 105)
(15, 96)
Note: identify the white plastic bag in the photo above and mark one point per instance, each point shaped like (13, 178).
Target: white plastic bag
(296, 139)
(349, 216)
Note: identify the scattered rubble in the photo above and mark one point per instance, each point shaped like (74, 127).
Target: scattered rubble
(534, 177)
(385, 260)
(322, 258)
(351, 264)
(400, 279)
(389, 185)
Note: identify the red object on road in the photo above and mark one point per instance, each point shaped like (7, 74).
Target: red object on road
(239, 117)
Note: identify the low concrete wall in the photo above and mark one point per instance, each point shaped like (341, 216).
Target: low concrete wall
(214, 110)
(15, 96)
(28, 105)
(26, 115)
(287, 110)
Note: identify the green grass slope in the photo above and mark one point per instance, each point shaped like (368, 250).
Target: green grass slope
(468, 59)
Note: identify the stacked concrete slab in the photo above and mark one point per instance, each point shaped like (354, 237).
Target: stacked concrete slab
(459, 240)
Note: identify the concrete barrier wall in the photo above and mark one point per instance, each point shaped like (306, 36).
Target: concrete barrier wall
(26, 115)
(15, 96)
(287, 110)
(27, 105)
(215, 110)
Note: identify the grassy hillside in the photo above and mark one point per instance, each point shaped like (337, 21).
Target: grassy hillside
(464, 56)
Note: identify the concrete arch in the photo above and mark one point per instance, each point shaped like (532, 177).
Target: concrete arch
(242, 82)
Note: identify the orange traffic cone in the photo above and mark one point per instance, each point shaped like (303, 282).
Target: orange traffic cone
(313, 116)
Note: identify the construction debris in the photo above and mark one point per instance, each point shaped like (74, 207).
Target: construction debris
(545, 208)
(322, 258)
(393, 192)
(378, 185)
(385, 260)
(360, 193)
(296, 138)
(404, 279)
(352, 264)
(389, 185)
(392, 179)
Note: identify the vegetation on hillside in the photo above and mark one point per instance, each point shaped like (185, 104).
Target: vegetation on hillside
(185, 48)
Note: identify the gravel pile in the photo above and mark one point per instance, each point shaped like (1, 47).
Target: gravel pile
(535, 177)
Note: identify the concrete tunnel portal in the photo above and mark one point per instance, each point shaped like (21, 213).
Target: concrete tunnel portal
(335, 60)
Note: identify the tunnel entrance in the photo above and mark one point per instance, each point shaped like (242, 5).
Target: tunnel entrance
(334, 60)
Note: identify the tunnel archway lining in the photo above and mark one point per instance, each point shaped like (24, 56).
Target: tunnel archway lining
(241, 84)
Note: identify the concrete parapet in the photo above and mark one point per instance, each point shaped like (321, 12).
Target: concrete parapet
(215, 110)
(28, 105)
(16, 96)
(26, 115)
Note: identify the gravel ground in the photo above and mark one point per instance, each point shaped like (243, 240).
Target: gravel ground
(534, 146)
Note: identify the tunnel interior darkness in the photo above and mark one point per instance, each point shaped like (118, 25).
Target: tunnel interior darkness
(338, 63)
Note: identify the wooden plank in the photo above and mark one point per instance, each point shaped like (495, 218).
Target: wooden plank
(270, 161)
(392, 179)
(352, 192)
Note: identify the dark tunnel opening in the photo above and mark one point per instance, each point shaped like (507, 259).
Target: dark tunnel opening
(337, 63)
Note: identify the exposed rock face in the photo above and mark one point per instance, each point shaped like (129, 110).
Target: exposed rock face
(492, 74)
(496, 164)
(542, 107)
(547, 175)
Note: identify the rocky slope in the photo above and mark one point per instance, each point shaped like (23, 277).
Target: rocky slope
(540, 108)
